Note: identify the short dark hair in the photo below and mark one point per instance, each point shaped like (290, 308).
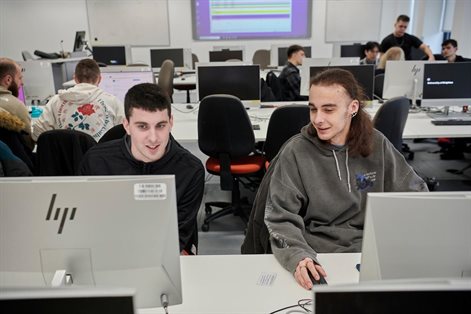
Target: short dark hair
(146, 96)
(293, 49)
(453, 42)
(403, 18)
(371, 45)
(7, 67)
(361, 128)
(87, 71)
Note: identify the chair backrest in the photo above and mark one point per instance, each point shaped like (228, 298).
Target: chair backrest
(224, 127)
(114, 133)
(391, 119)
(194, 59)
(379, 83)
(59, 152)
(165, 82)
(275, 85)
(261, 57)
(285, 122)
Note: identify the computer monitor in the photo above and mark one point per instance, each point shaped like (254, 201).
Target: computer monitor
(364, 74)
(70, 300)
(355, 50)
(116, 231)
(404, 78)
(416, 235)
(118, 80)
(79, 41)
(242, 81)
(21, 94)
(283, 54)
(394, 296)
(224, 55)
(230, 47)
(447, 84)
(111, 55)
(181, 58)
(321, 62)
(38, 80)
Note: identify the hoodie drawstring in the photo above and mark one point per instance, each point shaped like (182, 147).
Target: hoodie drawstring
(346, 166)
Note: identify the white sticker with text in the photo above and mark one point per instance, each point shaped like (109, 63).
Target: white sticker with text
(150, 191)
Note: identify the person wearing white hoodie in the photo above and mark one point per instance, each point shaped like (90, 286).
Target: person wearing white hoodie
(84, 107)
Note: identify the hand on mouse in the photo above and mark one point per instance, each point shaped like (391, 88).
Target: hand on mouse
(302, 276)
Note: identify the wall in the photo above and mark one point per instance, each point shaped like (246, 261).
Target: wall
(42, 24)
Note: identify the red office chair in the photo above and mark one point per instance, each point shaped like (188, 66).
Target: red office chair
(225, 134)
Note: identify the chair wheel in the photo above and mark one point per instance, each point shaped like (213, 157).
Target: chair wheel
(205, 227)
(208, 210)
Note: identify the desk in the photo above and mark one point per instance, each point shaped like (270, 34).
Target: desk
(418, 125)
(185, 82)
(228, 283)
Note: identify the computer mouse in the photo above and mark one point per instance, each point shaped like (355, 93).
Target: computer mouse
(189, 107)
(321, 280)
(183, 78)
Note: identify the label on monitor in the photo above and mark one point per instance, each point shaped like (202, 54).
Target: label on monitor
(150, 191)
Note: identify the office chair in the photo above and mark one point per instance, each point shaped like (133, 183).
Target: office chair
(261, 57)
(285, 122)
(391, 119)
(114, 133)
(274, 83)
(379, 83)
(165, 82)
(225, 134)
(26, 55)
(194, 60)
(59, 152)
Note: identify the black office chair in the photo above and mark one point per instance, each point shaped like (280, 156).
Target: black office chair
(166, 74)
(285, 122)
(391, 119)
(274, 84)
(59, 152)
(379, 84)
(225, 134)
(114, 133)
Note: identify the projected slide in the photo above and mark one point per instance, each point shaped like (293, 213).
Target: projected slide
(231, 19)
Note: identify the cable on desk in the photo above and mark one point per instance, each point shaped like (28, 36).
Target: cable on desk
(195, 108)
(301, 303)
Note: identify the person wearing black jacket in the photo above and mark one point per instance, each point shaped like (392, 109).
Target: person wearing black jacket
(149, 148)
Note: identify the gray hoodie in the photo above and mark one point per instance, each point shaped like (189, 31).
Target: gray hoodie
(317, 195)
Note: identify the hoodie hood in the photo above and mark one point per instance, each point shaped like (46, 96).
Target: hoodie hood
(80, 93)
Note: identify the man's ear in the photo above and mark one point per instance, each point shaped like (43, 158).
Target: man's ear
(126, 126)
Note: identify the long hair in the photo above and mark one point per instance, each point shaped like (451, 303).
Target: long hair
(359, 139)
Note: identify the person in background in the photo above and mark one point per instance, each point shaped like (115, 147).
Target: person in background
(148, 148)
(371, 53)
(399, 38)
(84, 107)
(449, 48)
(319, 185)
(289, 78)
(394, 53)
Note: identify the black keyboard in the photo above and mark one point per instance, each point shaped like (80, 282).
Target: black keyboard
(452, 122)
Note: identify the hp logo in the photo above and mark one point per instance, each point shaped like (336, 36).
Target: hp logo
(58, 212)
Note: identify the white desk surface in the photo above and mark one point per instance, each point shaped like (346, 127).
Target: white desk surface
(228, 283)
(418, 125)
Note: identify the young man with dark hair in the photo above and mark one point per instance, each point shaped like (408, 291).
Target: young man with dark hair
(84, 107)
(399, 38)
(449, 48)
(149, 148)
(289, 78)
(371, 53)
(321, 177)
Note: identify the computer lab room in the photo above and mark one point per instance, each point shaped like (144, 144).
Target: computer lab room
(245, 156)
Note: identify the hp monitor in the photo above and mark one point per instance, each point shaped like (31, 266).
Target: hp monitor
(118, 80)
(447, 84)
(111, 55)
(404, 78)
(103, 231)
(355, 50)
(321, 62)
(242, 81)
(79, 42)
(224, 55)
(394, 296)
(364, 74)
(181, 57)
(416, 235)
